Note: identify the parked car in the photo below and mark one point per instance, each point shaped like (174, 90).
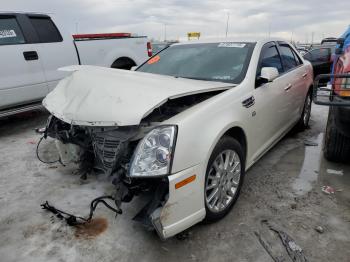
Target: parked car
(337, 96)
(329, 41)
(185, 126)
(321, 59)
(302, 50)
(32, 48)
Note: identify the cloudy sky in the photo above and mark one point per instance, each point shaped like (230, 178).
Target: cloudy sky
(290, 19)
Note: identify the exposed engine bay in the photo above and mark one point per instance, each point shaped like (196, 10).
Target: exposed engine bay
(112, 150)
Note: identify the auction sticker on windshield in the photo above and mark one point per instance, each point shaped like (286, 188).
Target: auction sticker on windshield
(153, 60)
(228, 44)
(7, 33)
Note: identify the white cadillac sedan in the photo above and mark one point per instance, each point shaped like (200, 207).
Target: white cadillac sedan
(184, 127)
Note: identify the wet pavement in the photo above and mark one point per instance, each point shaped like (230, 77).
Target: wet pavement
(282, 189)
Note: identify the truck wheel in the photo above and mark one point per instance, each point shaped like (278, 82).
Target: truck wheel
(306, 114)
(123, 63)
(336, 145)
(223, 179)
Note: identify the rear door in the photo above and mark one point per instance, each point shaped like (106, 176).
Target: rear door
(21, 74)
(294, 74)
(55, 50)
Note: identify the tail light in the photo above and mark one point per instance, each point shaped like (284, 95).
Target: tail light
(345, 87)
(149, 49)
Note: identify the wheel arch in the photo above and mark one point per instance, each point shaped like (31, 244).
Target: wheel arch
(123, 62)
(238, 133)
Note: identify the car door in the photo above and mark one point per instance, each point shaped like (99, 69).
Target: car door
(320, 59)
(271, 103)
(21, 74)
(295, 74)
(54, 50)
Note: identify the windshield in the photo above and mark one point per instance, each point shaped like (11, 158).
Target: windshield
(224, 62)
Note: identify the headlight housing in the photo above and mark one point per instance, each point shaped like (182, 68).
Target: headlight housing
(154, 154)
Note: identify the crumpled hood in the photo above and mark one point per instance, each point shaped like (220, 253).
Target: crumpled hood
(98, 96)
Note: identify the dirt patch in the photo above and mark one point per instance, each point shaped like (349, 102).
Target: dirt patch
(34, 229)
(92, 229)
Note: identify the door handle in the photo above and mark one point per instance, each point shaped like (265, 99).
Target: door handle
(288, 87)
(304, 75)
(30, 55)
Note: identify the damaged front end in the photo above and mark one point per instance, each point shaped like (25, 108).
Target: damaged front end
(119, 130)
(138, 158)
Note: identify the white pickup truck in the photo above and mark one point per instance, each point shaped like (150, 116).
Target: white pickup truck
(32, 48)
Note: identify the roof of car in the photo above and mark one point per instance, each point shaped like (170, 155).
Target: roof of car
(230, 39)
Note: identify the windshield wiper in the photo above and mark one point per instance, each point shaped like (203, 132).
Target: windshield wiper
(195, 78)
(205, 79)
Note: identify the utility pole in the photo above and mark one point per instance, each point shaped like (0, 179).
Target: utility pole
(164, 32)
(312, 38)
(228, 17)
(269, 29)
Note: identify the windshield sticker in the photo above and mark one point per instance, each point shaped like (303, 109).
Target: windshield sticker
(7, 33)
(153, 60)
(222, 77)
(228, 44)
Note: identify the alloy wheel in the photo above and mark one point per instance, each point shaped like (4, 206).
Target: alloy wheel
(223, 180)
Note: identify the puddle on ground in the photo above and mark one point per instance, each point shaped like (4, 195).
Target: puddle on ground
(310, 169)
(92, 229)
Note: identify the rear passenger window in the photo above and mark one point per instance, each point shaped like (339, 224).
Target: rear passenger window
(288, 58)
(270, 58)
(46, 29)
(10, 32)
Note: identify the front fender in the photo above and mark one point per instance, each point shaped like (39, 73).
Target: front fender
(201, 127)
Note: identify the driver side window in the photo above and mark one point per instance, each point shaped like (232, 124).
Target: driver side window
(270, 58)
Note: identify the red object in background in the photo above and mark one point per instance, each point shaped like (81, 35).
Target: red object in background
(149, 49)
(105, 35)
(328, 190)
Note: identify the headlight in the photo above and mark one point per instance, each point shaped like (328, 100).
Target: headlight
(154, 153)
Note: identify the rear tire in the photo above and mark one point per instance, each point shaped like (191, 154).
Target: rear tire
(336, 145)
(224, 178)
(306, 114)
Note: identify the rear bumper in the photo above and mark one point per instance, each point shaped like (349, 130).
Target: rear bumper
(185, 204)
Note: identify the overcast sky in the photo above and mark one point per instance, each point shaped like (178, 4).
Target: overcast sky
(296, 19)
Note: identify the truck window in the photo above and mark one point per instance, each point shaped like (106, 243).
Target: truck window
(46, 29)
(10, 32)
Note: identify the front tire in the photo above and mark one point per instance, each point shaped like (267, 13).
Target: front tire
(224, 178)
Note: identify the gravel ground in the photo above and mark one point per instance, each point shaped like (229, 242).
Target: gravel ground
(283, 189)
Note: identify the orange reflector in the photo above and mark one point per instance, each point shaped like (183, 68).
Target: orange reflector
(344, 92)
(185, 182)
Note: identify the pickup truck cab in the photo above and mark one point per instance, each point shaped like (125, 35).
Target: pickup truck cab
(33, 47)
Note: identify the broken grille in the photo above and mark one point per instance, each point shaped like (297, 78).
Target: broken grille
(106, 150)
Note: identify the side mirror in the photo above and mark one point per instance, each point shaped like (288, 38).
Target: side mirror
(268, 74)
(133, 68)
